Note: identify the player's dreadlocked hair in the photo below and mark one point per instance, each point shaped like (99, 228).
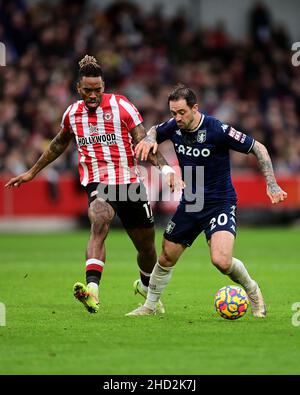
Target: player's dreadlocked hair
(89, 67)
(180, 91)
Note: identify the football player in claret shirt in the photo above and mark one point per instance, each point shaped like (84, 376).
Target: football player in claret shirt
(203, 142)
(105, 127)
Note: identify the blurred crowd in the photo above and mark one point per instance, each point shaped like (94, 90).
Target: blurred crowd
(249, 83)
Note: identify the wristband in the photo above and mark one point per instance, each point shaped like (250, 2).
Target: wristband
(167, 170)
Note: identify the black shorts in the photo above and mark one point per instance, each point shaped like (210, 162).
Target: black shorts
(129, 201)
(185, 227)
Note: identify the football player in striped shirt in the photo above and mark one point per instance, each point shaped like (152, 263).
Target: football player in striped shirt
(106, 126)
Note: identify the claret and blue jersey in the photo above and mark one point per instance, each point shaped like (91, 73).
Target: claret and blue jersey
(207, 146)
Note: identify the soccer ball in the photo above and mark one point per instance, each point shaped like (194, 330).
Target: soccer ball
(231, 302)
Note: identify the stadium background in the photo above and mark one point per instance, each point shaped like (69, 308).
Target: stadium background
(238, 58)
(238, 62)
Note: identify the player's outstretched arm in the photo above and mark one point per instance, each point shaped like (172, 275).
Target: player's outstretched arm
(55, 149)
(147, 144)
(157, 159)
(275, 193)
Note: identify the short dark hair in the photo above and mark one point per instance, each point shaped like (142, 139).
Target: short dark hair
(89, 67)
(181, 91)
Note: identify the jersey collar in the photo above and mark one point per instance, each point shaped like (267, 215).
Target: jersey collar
(198, 126)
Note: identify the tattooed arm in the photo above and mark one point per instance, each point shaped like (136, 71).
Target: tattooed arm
(138, 133)
(148, 143)
(55, 149)
(275, 193)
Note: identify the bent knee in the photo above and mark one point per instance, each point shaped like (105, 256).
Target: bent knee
(100, 214)
(166, 259)
(221, 261)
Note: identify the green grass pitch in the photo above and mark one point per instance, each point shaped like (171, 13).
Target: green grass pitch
(48, 332)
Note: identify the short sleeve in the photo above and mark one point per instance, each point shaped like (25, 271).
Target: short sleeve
(165, 130)
(236, 140)
(65, 122)
(130, 114)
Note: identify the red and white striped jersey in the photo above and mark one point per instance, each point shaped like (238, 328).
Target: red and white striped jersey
(103, 140)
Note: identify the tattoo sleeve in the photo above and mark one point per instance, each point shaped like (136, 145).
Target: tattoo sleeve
(55, 149)
(265, 164)
(151, 135)
(139, 133)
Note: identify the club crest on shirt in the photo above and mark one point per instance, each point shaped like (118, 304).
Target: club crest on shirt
(107, 116)
(201, 136)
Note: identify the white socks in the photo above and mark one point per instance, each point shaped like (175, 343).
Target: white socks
(238, 273)
(161, 276)
(159, 279)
